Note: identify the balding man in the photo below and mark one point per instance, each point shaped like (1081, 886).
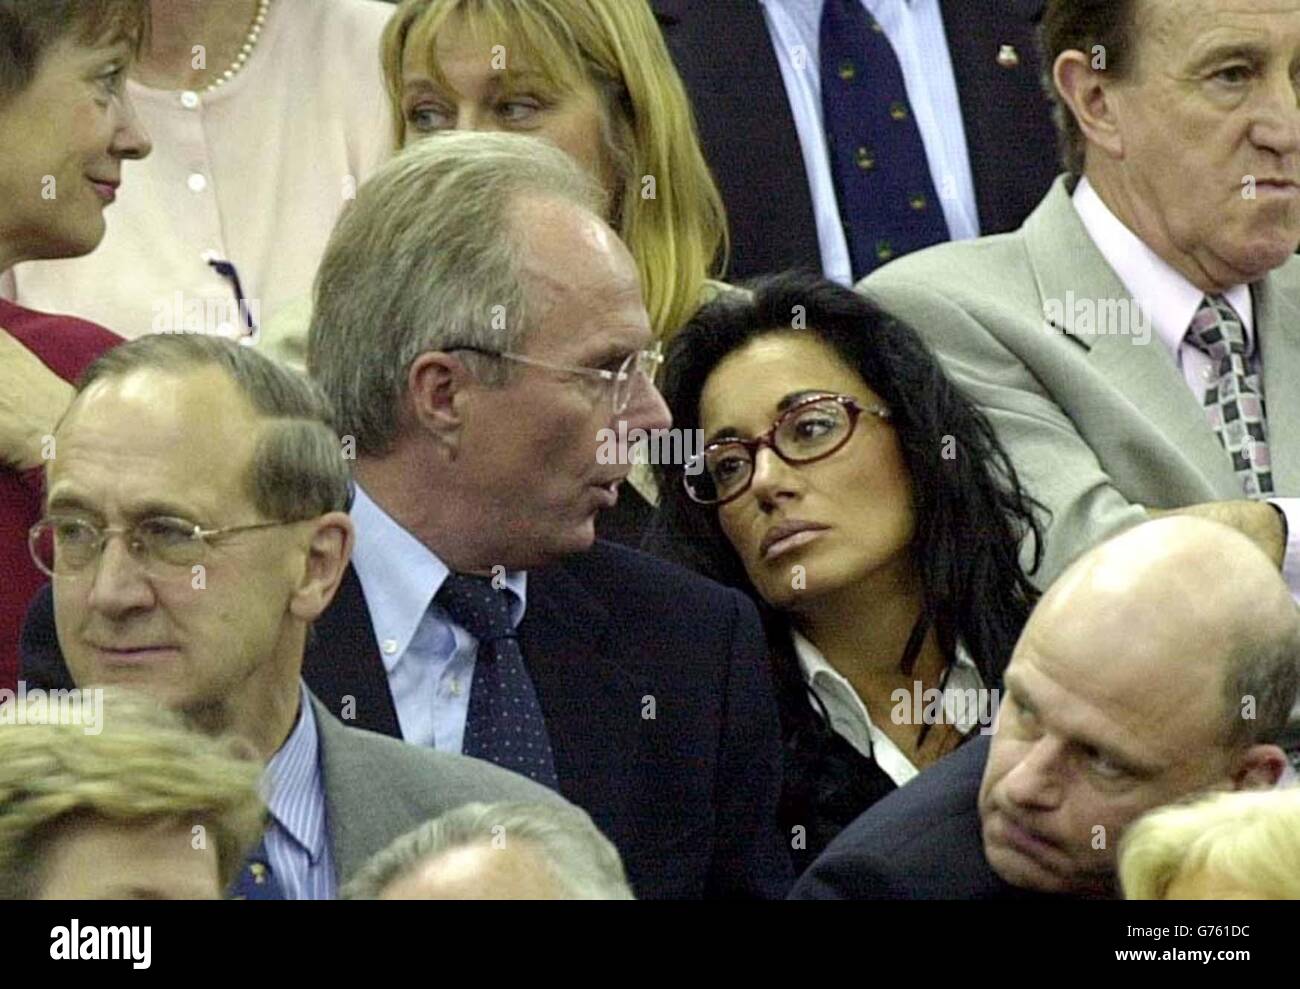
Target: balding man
(195, 527)
(1135, 343)
(503, 851)
(1128, 690)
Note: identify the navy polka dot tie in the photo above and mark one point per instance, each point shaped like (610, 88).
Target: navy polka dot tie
(882, 177)
(505, 723)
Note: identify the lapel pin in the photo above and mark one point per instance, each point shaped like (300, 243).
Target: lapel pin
(1008, 57)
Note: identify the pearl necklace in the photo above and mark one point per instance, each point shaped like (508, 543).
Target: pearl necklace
(245, 50)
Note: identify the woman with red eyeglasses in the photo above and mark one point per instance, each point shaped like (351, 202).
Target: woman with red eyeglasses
(842, 481)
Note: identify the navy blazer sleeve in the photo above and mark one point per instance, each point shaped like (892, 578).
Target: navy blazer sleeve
(40, 661)
(752, 857)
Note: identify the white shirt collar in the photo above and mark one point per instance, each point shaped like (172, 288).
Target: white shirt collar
(851, 720)
(1164, 293)
(400, 575)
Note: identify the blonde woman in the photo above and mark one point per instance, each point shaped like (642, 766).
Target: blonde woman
(595, 79)
(1243, 845)
(108, 805)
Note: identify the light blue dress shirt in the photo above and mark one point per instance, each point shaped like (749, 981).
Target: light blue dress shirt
(915, 29)
(429, 658)
(298, 840)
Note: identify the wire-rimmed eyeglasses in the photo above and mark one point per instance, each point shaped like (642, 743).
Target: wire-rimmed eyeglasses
(809, 430)
(66, 546)
(640, 365)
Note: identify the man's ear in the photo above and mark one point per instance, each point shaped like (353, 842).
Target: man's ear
(435, 382)
(1259, 768)
(1087, 90)
(329, 549)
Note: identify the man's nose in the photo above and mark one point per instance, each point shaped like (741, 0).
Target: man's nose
(1036, 781)
(119, 583)
(647, 410)
(1277, 126)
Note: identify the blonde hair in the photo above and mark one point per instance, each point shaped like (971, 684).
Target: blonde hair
(1250, 837)
(679, 237)
(143, 767)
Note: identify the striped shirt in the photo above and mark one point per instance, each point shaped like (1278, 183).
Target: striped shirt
(298, 840)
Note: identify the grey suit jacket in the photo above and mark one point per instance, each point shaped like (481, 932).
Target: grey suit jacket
(1099, 425)
(377, 788)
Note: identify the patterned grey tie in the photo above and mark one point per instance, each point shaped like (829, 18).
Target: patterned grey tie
(504, 723)
(1234, 400)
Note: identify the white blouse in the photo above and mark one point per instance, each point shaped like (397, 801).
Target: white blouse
(254, 173)
(965, 704)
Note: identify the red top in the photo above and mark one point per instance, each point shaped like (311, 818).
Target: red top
(67, 346)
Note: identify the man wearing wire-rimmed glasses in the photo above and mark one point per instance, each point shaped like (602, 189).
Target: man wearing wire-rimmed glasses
(195, 527)
(478, 328)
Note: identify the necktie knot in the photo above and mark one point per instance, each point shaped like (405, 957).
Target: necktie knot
(1217, 330)
(478, 606)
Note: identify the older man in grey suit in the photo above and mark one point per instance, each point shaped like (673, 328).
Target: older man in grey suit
(229, 491)
(1137, 342)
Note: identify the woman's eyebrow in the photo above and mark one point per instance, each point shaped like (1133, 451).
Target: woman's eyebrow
(794, 398)
(798, 396)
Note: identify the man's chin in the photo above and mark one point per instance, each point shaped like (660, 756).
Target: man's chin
(1022, 872)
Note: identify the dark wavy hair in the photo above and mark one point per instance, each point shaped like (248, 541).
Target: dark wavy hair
(971, 514)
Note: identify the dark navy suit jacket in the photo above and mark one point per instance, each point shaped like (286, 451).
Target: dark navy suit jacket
(657, 696)
(922, 842)
(724, 53)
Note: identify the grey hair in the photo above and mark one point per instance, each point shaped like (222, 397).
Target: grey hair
(428, 257)
(299, 470)
(583, 861)
(1267, 671)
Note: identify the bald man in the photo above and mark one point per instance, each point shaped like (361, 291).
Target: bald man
(503, 851)
(1129, 689)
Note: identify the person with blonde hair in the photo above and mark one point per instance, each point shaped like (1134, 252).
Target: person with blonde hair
(1242, 845)
(142, 808)
(595, 79)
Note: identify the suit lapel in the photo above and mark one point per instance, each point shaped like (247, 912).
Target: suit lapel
(1069, 270)
(344, 789)
(1277, 325)
(591, 705)
(342, 665)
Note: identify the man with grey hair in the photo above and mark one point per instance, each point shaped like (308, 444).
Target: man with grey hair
(478, 329)
(497, 852)
(1134, 344)
(1127, 691)
(229, 492)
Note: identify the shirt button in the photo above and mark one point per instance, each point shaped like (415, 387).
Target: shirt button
(197, 182)
(189, 99)
(389, 646)
(1207, 373)
(454, 687)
